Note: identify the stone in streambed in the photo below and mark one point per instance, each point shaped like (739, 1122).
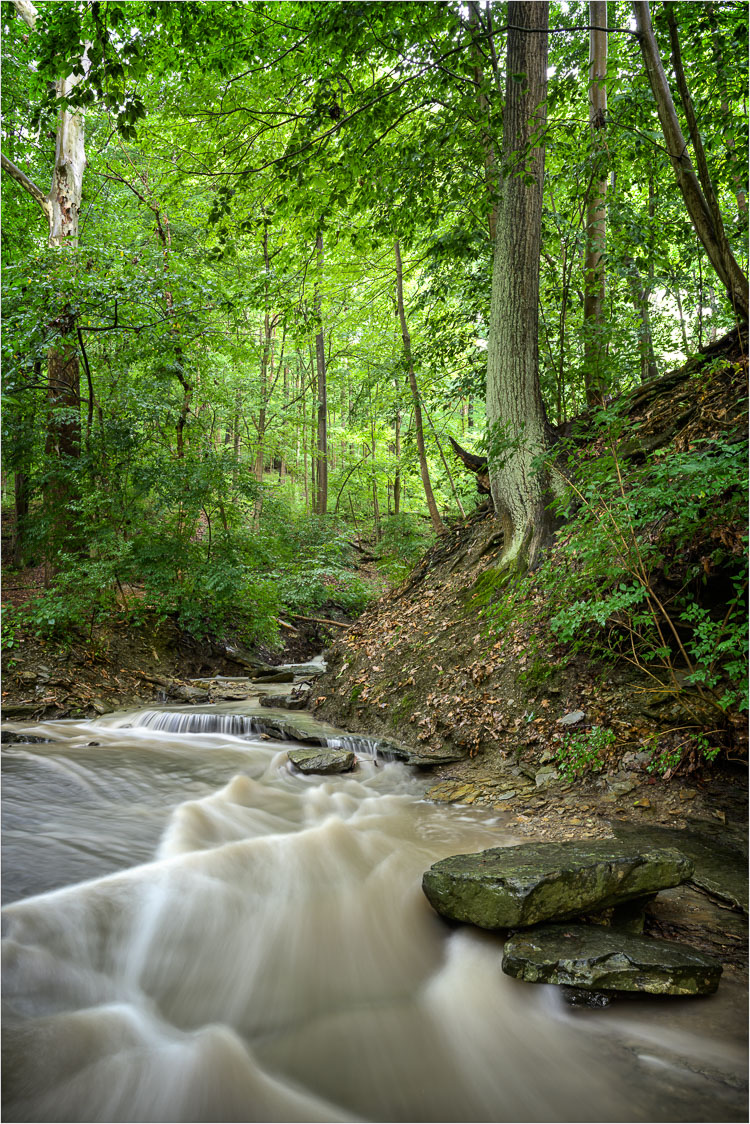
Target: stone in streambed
(512, 887)
(322, 760)
(285, 702)
(603, 960)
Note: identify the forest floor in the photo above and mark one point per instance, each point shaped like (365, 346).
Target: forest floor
(425, 667)
(422, 666)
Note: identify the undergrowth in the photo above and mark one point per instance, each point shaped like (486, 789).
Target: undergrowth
(650, 568)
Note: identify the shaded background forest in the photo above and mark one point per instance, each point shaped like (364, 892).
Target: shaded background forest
(208, 405)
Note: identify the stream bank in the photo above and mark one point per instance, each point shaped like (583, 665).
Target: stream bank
(418, 667)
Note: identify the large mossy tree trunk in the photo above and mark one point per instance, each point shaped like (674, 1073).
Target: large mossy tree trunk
(515, 412)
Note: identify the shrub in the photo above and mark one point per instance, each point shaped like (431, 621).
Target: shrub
(584, 751)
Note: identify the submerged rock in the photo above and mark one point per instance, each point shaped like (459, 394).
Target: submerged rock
(509, 887)
(720, 867)
(286, 702)
(580, 997)
(591, 957)
(322, 760)
(391, 750)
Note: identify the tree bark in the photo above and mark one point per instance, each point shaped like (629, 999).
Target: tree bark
(515, 411)
(491, 175)
(437, 522)
(397, 453)
(701, 214)
(594, 344)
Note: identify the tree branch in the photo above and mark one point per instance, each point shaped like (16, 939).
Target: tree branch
(26, 11)
(28, 186)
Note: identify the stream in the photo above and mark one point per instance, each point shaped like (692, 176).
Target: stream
(196, 932)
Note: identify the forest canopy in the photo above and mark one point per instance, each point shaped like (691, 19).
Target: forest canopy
(248, 274)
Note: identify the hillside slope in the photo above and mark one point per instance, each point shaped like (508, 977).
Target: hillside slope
(428, 665)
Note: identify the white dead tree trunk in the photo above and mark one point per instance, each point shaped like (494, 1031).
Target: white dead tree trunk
(61, 207)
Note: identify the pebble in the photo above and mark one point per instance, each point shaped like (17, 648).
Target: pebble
(572, 718)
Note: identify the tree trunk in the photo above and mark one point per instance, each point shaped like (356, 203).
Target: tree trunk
(374, 482)
(491, 176)
(321, 505)
(437, 522)
(594, 343)
(706, 221)
(515, 412)
(397, 452)
(21, 505)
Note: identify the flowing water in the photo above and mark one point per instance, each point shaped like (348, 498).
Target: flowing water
(195, 932)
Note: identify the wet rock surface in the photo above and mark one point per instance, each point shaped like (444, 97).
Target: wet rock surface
(601, 959)
(506, 887)
(392, 750)
(285, 702)
(719, 868)
(322, 760)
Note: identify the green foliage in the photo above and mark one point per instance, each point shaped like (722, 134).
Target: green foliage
(643, 549)
(9, 629)
(403, 540)
(584, 752)
(192, 311)
(695, 749)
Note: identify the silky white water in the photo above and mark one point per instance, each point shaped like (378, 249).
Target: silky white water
(198, 933)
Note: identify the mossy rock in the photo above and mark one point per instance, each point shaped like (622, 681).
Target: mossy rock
(511, 887)
(322, 760)
(599, 959)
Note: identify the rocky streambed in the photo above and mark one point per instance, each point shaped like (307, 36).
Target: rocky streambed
(605, 886)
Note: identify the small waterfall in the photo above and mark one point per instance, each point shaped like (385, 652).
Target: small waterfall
(299, 728)
(202, 933)
(180, 722)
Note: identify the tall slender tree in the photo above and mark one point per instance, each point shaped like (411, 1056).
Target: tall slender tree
(321, 500)
(515, 411)
(596, 210)
(432, 507)
(700, 198)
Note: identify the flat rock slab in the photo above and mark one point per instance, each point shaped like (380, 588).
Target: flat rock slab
(719, 867)
(322, 760)
(600, 959)
(513, 887)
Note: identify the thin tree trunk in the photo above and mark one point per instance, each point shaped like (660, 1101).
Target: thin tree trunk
(397, 477)
(374, 480)
(446, 466)
(703, 216)
(596, 212)
(697, 142)
(21, 506)
(320, 366)
(437, 522)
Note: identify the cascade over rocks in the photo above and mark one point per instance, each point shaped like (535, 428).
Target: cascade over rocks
(601, 959)
(509, 887)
